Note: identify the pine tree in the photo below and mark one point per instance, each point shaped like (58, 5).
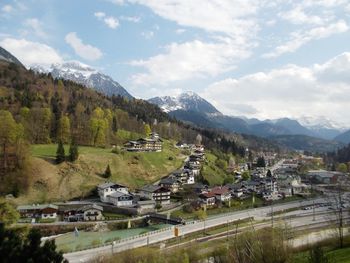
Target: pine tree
(269, 174)
(73, 151)
(108, 172)
(60, 154)
(261, 162)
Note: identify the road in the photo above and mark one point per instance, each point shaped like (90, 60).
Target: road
(190, 227)
(276, 166)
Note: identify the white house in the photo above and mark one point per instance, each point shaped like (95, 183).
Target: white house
(91, 212)
(221, 193)
(157, 193)
(120, 199)
(190, 179)
(108, 188)
(45, 211)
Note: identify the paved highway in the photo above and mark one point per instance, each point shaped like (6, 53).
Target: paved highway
(190, 227)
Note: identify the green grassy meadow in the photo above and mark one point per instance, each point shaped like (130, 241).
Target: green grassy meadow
(58, 182)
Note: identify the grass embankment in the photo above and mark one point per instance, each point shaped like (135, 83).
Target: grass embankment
(235, 206)
(212, 173)
(335, 255)
(51, 182)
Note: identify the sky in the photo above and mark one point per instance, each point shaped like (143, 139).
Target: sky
(253, 58)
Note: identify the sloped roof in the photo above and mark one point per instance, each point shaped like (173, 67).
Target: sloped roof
(169, 180)
(220, 190)
(153, 188)
(110, 184)
(36, 207)
(91, 206)
(208, 195)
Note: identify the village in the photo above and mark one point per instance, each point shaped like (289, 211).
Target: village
(272, 180)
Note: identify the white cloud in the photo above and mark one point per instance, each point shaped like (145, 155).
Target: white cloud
(300, 38)
(323, 3)
(83, 50)
(299, 17)
(35, 25)
(147, 34)
(117, 2)
(110, 21)
(190, 60)
(271, 22)
(347, 8)
(180, 31)
(7, 8)
(31, 52)
(134, 19)
(231, 17)
(291, 91)
(99, 14)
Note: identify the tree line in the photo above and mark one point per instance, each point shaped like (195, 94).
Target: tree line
(338, 160)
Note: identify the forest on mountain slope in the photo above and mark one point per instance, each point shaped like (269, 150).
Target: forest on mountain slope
(38, 109)
(339, 159)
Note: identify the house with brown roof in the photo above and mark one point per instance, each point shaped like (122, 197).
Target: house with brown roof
(157, 193)
(222, 193)
(151, 144)
(207, 198)
(43, 211)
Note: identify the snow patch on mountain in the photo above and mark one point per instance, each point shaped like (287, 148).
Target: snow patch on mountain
(188, 101)
(85, 75)
(321, 122)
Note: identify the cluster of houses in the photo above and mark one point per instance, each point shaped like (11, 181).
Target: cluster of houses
(153, 143)
(282, 181)
(324, 177)
(187, 174)
(265, 188)
(50, 212)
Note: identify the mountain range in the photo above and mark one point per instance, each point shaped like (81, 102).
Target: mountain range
(7, 56)
(85, 75)
(190, 107)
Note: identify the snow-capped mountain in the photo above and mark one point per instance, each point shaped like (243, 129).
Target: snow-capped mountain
(190, 107)
(321, 122)
(323, 127)
(187, 101)
(85, 75)
(7, 56)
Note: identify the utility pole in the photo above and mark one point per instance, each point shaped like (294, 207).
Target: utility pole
(340, 204)
(313, 202)
(272, 214)
(227, 232)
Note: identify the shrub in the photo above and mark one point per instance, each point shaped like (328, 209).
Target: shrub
(187, 208)
(96, 242)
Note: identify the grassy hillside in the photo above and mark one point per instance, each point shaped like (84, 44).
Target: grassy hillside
(212, 173)
(52, 182)
(337, 255)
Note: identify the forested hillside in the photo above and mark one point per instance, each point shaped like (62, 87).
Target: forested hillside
(342, 155)
(38, 109)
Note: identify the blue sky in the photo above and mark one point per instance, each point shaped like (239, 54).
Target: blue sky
(258, 58)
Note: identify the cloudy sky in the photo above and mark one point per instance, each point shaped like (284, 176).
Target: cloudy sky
(257, 58)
